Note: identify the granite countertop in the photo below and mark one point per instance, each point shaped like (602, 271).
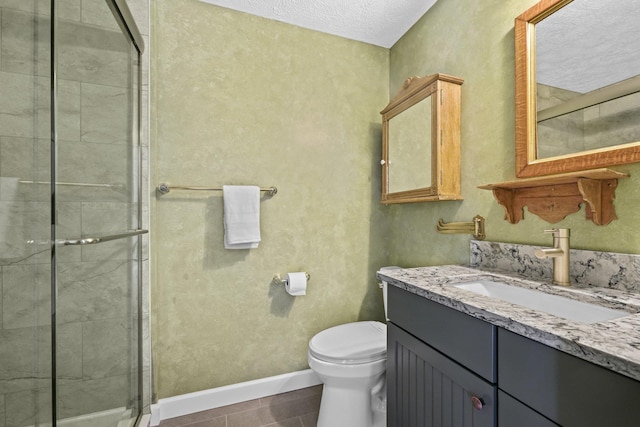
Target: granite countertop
(613, 344)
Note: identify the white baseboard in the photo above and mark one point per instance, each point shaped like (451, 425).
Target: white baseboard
(184, 404)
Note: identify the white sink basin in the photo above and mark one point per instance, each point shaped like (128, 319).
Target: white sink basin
(552, 304)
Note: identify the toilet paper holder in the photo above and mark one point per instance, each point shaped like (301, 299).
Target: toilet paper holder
(280, 281)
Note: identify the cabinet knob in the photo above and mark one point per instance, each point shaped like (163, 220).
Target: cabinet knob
(477, 402)
(382, 162)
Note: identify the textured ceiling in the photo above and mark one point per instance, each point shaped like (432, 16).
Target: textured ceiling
(377, 22)
(589, 44)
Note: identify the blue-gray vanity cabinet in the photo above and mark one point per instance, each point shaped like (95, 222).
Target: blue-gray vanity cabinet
(440, 361)
(425, 388)
(470, 342)
(570, 391)
(513, 413)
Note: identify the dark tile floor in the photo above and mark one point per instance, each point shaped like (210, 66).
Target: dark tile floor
(293, 409)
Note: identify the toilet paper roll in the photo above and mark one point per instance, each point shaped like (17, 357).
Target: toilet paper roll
(296, 283)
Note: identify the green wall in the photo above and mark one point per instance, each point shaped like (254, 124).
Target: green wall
(239, 99)
(475, 41)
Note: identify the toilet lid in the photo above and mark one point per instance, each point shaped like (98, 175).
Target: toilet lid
(358, 342)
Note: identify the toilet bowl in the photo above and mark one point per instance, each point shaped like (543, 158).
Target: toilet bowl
(350, 360)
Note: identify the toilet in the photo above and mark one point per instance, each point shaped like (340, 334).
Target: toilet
(350, 360)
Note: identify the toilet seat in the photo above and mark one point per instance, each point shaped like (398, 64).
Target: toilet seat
(351, 343)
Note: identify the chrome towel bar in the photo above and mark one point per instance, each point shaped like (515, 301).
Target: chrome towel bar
(164, 188)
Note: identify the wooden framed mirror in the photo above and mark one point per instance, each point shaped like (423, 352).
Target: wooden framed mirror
(577, 86)
(421, 141)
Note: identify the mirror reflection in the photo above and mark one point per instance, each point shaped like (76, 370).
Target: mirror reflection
(587, 61)
(581, 57)
(410, 153)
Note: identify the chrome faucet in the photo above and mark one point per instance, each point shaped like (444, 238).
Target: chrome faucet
(559, 255)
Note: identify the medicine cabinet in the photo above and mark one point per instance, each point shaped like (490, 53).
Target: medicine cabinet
(421, 141)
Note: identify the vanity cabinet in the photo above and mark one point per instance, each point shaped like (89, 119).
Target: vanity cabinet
(427, 389)
(512, 412)
(565, 389)
(446, 368)
(440, 365)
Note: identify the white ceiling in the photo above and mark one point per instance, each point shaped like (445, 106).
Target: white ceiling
(377, 22)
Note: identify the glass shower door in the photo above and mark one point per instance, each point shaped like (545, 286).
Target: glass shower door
(96, 213)
(25, 224)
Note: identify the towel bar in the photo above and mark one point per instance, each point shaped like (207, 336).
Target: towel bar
(164, 188)
(476, 227)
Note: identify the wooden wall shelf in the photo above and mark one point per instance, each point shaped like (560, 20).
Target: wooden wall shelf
(553, 197)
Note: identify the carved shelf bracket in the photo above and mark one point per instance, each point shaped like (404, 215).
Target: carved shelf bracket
(554, 197)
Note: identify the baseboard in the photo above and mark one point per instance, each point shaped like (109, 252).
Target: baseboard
(184, 404)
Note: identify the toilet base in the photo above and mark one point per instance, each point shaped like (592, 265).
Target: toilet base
(379, 403)
(342, 407)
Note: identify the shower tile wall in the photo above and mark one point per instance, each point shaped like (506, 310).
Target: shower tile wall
(567, 128)
(24, 338)
(90, 122)
(582, 130)
(618, 117)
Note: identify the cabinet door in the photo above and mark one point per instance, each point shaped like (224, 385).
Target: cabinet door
(513, 413)
(427, 389)
(569, 391)
(470, 342)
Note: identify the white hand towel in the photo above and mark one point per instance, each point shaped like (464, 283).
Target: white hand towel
(241, 216)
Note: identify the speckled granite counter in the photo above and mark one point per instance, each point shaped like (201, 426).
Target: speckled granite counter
(614, 344)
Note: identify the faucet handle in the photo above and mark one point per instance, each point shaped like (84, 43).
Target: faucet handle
(559, 232)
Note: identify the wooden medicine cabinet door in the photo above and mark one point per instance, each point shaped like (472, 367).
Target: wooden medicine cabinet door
(421, 141)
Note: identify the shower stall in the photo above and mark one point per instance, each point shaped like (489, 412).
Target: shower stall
(70, 214)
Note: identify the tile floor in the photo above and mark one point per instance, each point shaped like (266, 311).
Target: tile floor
(293, 409)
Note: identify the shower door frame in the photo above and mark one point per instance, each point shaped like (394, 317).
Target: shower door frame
(125, 19)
